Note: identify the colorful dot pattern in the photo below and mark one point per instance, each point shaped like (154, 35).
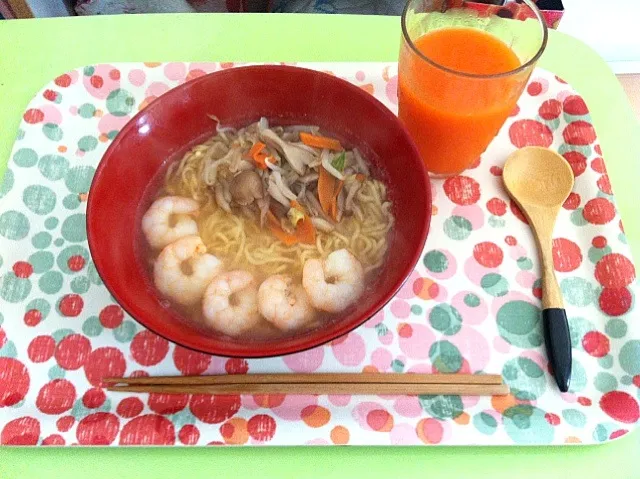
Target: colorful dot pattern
(472, 305)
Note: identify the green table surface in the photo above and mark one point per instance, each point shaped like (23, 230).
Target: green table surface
(33, 52)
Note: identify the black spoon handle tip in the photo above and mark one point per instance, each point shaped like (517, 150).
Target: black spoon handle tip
(558, 343)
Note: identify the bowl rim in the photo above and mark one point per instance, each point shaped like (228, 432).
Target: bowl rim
(275, 349)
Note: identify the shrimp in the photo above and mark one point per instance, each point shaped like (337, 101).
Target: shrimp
(333, 284)
(230, 303)
(183, 270)
(284, 304)
(166, 220)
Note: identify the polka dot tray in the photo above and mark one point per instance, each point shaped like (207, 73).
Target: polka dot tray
(472, 304)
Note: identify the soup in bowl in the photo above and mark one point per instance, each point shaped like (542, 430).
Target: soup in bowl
(258, 211)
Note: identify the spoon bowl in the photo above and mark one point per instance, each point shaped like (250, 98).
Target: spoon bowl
(538, 177)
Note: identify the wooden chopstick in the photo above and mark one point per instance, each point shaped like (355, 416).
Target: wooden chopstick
(323, 388)
(326, 383)
(321, 378)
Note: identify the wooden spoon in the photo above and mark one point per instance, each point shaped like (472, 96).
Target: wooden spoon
(540, 180)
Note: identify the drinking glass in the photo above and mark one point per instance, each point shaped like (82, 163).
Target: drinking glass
(461, 73)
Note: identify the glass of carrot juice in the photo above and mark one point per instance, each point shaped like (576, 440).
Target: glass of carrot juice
(460, 76)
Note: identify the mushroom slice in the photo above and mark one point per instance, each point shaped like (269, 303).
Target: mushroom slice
(220, 199)
(361, 165)
(275, 193)
(297, 157)
(246, 187)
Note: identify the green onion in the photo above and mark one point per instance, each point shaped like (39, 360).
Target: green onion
(338, 162)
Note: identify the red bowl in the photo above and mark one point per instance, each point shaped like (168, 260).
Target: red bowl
(178, 120)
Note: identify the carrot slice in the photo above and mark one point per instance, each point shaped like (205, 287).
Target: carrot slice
(326, 187)
(329, 188)
(278, 232)
(256, 148)
(334, 201)
(360, 177)
(305, 231)
(259, 158)
(320, 141)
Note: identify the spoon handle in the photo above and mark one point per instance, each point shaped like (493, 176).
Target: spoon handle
(557, 340)
(557, 337)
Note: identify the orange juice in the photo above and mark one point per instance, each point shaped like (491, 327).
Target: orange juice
(453, 113)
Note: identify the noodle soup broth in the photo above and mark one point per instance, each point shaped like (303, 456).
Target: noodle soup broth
(266, 231)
